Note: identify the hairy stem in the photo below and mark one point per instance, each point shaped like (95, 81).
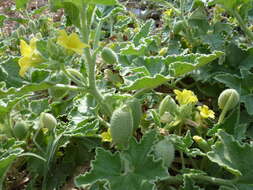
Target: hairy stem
(91, 64)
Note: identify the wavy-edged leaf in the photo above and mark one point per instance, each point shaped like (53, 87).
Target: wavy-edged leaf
(9, 151)
(182, 64)
(131, 169)
(147, 82)
(25, 89)
(144, 31)
(132, 50)
(233, 156)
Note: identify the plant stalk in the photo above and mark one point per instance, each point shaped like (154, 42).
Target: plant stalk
(91, 64)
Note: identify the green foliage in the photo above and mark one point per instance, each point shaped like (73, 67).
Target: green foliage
(108, 86)
(227, 152)
(133, 168)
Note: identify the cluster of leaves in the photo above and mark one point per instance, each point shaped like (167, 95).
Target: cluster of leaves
(96, 58)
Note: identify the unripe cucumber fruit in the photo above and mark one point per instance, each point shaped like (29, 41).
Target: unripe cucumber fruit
(168, 104)
(121, 126)
(230, 97)
(165, 150)
(109, 56)
(47, 120)
(135, 107)
(20, 130)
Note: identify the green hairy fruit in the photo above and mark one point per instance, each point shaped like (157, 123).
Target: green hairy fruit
(20, 130)
(121, 126)
(229, 98)
(165, 150)
(135, 107)
(109, 56)
(168, 104)
(47, 120)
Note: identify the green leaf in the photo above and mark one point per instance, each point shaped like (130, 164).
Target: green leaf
(233, 156)
(72, 14)
(25, 89)
(248, 102)
(144, 32)
(132, 50)
(183, 64)
(131, 169)
(180, 68)
(20, 4)
(10, 70)
(147, 82)
(9, 151)
(2, 19)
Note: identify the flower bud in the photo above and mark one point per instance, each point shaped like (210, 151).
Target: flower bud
(229, 98)
(168, 105)
(47, 120)
(202, 143)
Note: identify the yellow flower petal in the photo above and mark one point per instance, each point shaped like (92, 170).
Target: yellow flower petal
(106, 136)
(33, 44)
(25, 49)
(71, 42)
(25, 64)
(185, 97)
(205, 112)
(30, 56)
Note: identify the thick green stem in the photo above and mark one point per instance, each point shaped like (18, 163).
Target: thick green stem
(91, 64)
(242, 24)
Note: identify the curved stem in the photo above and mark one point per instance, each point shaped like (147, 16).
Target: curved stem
(225, 110)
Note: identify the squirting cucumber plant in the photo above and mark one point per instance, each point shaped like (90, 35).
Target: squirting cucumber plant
(126, 95)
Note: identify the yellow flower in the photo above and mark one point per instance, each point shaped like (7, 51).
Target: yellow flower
(71, 42)
(30, 56)
(185, 97)
(205, 112)
(168, 12)
(106, 136)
